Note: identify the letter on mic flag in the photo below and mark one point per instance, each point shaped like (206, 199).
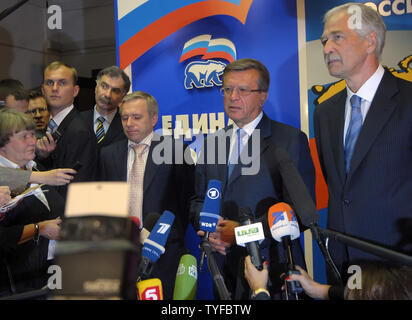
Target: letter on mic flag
(282, 222)
(150, 289)
(211, 206)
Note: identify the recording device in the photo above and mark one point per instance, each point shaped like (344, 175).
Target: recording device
(284, 228)
(150, 289)
(56, 135)
(154, 245)
(209, 215)
(249, 234)
(77, 166)
(186, 279)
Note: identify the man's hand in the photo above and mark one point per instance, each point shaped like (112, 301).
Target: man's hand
(56, 177)
(50, 229)
(215, 238)
(45, 146)
(4, 195)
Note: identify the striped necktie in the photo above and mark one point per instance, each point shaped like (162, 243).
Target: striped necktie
(100, 129)
(354, 128)
(52, 125)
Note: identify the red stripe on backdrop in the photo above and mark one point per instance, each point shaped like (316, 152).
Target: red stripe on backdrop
(146, 39)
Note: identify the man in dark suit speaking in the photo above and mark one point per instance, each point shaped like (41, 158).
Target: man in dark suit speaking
(155, 185)
(257, 183)
(364, 134)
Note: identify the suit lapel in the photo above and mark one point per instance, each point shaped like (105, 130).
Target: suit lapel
(115, 129)
(379, 113)
(120, 160)
(265, 133)
(151, 168)
(336, 122)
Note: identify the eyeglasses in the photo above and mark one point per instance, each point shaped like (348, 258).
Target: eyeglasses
(244, 92)
(33, 111)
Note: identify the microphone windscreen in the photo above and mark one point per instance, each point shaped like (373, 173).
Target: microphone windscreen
(150, 220)
(282, 222)
(150, 289)
(296, 188)
(210, 213)
(154, 245)
(186, 279)
(148, 224)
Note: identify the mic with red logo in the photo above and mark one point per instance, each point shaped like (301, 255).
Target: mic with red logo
(150, 289)
(284, 227)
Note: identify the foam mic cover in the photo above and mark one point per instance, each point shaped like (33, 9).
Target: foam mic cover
(297, 190)
(186, 279)
(150, 289)
(148, 225)
(209, 215)
(282, 222)
(154, 245)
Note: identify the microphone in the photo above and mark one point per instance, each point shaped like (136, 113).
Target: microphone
(154, 245)
(148, 225)
(186, 278)
(249, 234)
(150, 289)
(302, 202)
(209, 215)
(284, 228)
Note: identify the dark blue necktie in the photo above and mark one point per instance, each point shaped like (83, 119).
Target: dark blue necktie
(353, 129)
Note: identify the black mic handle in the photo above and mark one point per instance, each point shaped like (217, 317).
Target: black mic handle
(145, 268)
(314, 228)
(254, 252)
(294, 286)
(203, 254)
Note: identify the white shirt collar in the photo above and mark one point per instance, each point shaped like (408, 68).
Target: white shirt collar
(4, 162)
(108, 118)
(248, 128)
(58, 118)
(147, 140)
(369, 88)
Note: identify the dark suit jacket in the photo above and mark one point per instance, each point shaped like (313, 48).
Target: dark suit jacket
(166, 187)
(75, 144)
(28, 261)
(375, 199)
(115, 132)
(258, 192)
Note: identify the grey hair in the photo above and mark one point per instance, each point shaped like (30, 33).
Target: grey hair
(371, 21)
(152, 106)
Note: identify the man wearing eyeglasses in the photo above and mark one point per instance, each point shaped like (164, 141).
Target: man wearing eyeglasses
(245, 91)
(38, 110)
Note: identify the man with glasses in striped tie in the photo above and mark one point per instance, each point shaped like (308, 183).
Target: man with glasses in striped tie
(112, 84)
(364, 135)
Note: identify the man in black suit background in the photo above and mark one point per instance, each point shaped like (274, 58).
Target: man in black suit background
(112, 84)
(364, 135)
(166, 185)
(71, 141)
